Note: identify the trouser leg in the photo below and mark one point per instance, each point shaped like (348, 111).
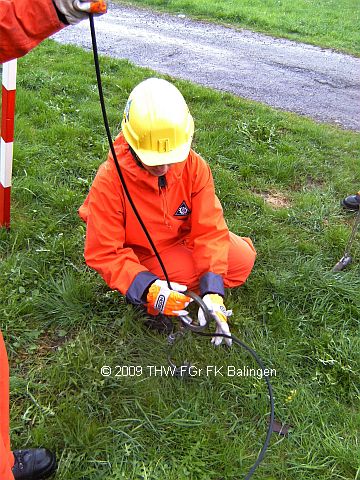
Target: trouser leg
(6, 457)
(241, 260)
(180, 266)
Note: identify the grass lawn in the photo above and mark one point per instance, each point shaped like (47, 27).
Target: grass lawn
(280, 178)
(328, 23)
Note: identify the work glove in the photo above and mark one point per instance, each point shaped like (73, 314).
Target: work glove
(169, 302)
(77, 10)
(215, 304)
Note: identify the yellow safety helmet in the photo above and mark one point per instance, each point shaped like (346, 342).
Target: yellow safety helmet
(157, 123)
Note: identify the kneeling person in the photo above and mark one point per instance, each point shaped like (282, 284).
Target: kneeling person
(173, 189)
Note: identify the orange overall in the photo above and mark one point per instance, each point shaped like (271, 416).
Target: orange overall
(6, 457)
(184, 218)
(23, 24)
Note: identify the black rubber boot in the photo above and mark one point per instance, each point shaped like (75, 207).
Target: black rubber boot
(33, 464)
(351, 202)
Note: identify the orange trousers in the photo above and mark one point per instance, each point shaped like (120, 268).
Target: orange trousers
(180, 266)
(6, 457)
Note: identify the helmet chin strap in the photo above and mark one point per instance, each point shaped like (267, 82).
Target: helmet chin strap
(136, 157)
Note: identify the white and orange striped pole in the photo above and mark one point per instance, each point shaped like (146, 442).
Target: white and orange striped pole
(7, 138)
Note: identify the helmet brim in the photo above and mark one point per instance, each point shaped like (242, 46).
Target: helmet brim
(154, 159)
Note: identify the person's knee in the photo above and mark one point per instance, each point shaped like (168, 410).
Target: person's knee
(241, 262)
(250, 252)
(250, 257)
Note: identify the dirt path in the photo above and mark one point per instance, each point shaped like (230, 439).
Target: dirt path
(308, 80)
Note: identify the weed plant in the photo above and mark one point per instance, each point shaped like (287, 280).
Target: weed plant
(280, 178)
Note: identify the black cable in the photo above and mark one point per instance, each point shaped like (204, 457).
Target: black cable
(195, 329)
(199, 330)
(108, 133)
(271, 396)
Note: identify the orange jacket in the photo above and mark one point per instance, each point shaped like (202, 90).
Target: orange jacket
(24, 24)
(185, 211)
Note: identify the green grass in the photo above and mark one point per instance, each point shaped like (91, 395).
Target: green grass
(328, 23)
(61, 323)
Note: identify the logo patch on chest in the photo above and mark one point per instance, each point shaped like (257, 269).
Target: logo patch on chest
(183, 210)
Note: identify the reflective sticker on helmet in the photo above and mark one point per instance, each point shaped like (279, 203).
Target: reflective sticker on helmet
(127, 110)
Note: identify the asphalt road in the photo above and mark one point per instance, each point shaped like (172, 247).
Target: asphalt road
(308, 80)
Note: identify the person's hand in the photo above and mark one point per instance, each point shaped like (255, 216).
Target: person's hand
(215, 304)
(77, 10)
(166, 301)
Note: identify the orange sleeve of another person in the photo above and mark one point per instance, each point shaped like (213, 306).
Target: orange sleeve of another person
(24, 24)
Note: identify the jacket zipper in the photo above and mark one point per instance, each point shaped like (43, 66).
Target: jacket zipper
(162, 187)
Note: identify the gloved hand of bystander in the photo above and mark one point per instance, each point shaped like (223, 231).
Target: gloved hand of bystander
(215, 304)
(76, 10)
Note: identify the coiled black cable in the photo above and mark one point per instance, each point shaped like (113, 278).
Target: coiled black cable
(195, 329)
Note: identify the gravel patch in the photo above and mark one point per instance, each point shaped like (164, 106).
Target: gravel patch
(308, 80)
